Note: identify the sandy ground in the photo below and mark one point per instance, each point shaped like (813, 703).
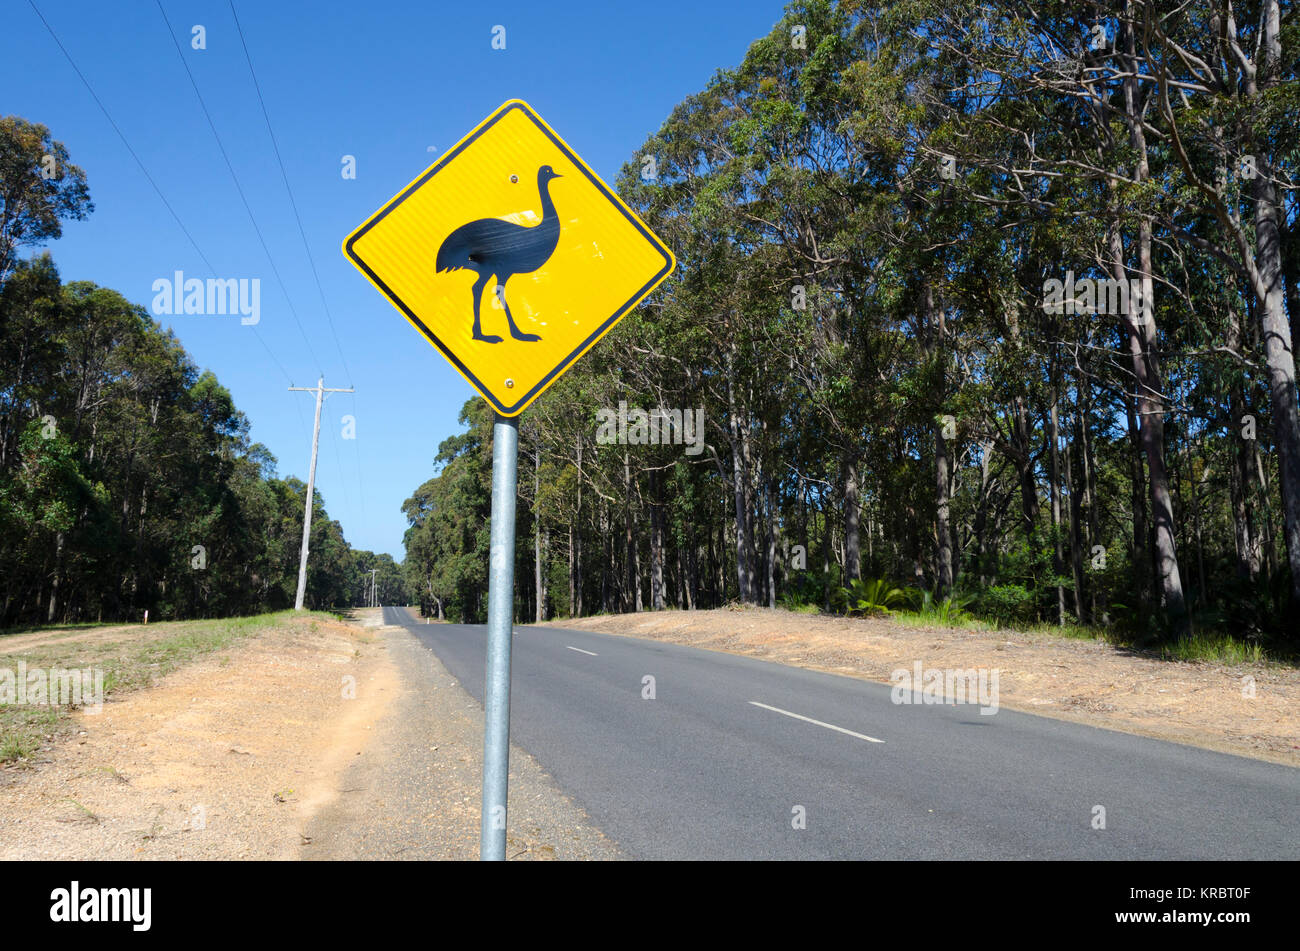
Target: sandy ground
(416, 792)
(220, 759)
(236, 755)
(1086, 681)
(16, 643)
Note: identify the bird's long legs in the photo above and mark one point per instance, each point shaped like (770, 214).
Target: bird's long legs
(479, 285)
(515, 331)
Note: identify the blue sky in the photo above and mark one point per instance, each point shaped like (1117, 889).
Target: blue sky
(392, 83)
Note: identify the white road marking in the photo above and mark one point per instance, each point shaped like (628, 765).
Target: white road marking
(581, 651)
(829, 726)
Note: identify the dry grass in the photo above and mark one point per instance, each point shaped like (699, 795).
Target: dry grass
(130, 656)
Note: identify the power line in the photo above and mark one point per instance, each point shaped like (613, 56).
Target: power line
(239, 188)
(251, 217)
(121, 136)
(289, 189)
(273, 357)
(143, 170)
(284, 175)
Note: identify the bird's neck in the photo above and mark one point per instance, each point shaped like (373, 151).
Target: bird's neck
(548, 207)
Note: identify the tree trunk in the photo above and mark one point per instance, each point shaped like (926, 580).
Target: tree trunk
(771, 543)
(656, 545)
(852, 514)
(575, 584)
(1084, 391)
(692, 574)
(54, 585)
(1024, 467)
(1269, 564)
(1150, 408)
(1054, 480)
(1247, 539)
(1076, 544)
(933, 333)
(1276, 332)
(942, 486)
(539, 583)
(740, 480)
(1138, 483)
(1243, 527)
(573, 541)
(828, 542)
(607, 563)
(742, 561)
(720, 566)
(1143, 343)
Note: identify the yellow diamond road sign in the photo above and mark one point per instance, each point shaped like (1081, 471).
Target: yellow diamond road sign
(511, 256)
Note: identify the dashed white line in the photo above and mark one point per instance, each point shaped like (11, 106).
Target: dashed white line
(829, 726)
(581, 651)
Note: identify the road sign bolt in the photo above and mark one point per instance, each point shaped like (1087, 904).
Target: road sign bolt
(514, 179)
(510, 384)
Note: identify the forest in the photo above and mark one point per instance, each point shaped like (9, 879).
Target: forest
(128, 482)
(987, 308)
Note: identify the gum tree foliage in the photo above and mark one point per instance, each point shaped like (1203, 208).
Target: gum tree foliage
(389, 579)
(39, 187)
(865, 226)
(127, 479)
(447, 541)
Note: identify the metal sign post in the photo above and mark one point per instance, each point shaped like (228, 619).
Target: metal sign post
(500, 631)
(510, 198)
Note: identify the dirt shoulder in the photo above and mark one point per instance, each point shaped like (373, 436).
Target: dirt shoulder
(221, 758)
(301, 738)
(415, 792)
(1090, 682)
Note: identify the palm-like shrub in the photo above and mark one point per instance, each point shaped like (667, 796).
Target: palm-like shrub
(871, 598)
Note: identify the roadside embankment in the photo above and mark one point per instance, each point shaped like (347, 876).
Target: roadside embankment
(1246, 709)
(278, 737)
(210, 745)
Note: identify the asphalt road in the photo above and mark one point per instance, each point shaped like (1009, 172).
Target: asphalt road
(720, 765)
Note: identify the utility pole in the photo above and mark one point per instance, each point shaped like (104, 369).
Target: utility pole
(374, 600)
(320, 391)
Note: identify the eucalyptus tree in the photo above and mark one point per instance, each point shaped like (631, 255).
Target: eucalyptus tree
(1224, 76)
(40, 188)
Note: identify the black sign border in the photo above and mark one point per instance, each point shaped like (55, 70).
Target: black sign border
(517, 407)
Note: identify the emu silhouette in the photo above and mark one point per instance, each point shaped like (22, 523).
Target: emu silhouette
(492, 247)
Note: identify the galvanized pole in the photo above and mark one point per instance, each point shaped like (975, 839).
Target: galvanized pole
(500, 629)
